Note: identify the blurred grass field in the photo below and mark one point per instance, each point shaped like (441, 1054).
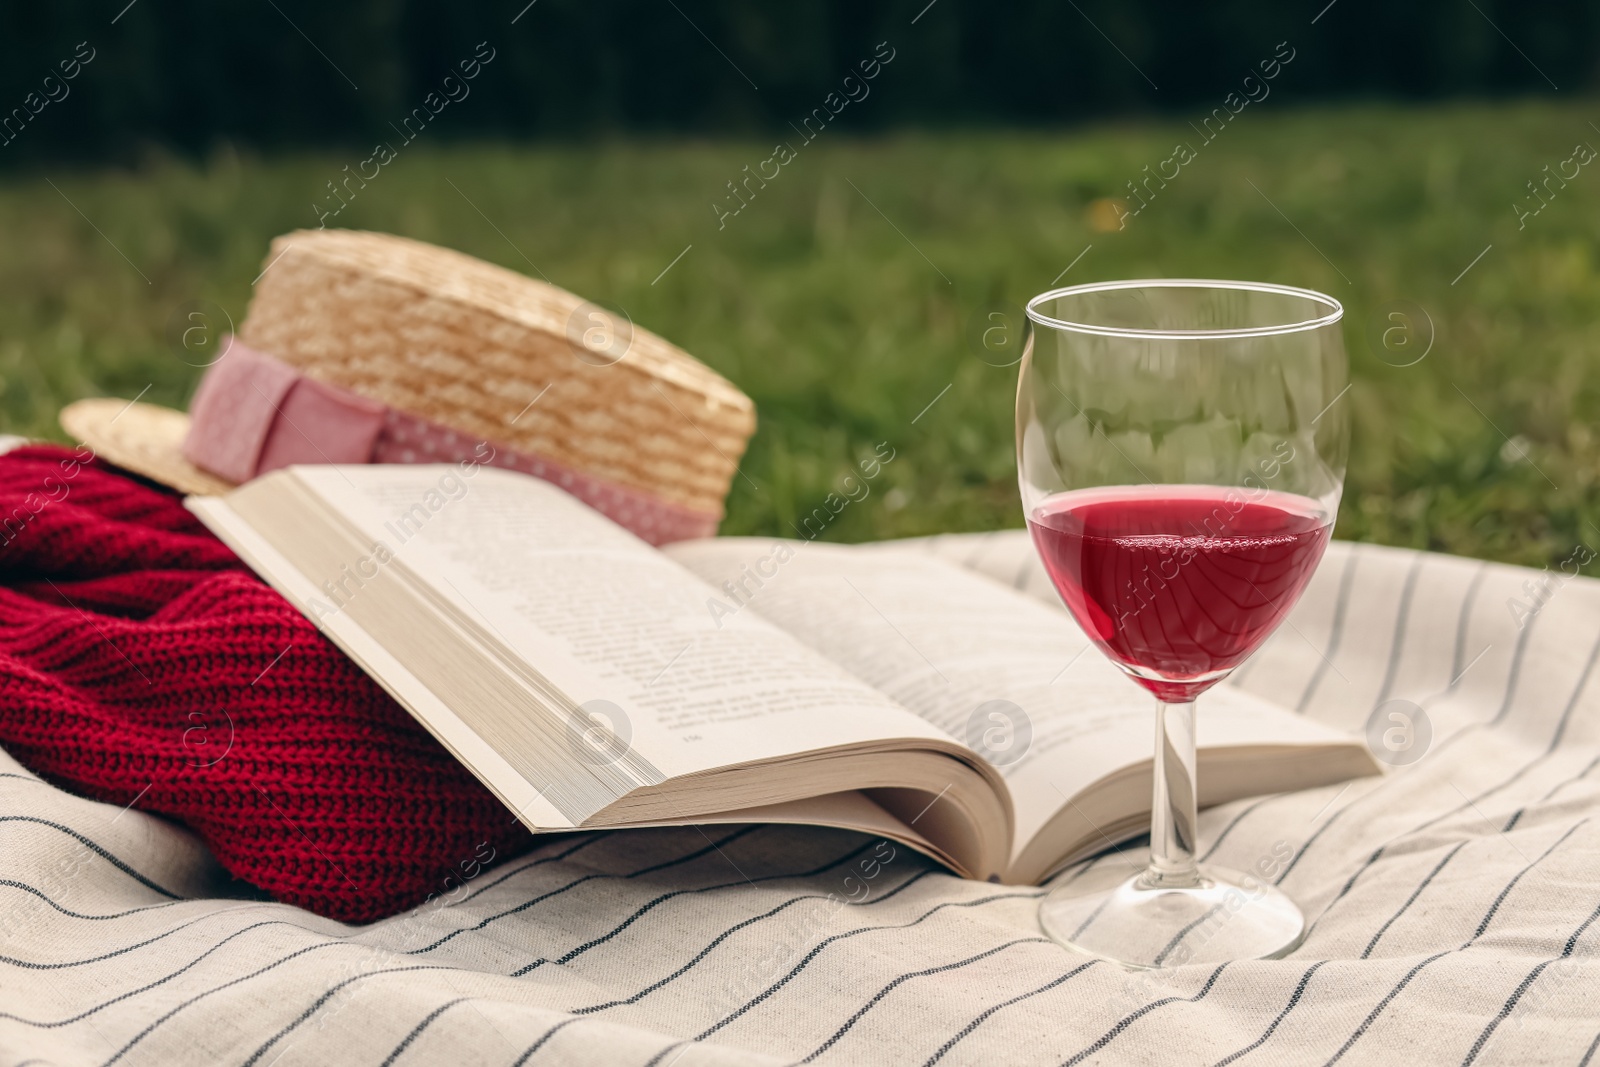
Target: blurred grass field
(852, 291)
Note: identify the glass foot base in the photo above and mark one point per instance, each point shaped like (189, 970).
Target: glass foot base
(1228, 916)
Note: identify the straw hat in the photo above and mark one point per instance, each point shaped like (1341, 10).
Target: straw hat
(142, 438)
(461, 348)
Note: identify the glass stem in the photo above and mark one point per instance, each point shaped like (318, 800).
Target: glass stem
(1173, 814)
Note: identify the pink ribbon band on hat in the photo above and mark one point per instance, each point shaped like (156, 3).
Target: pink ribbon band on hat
(253, 414)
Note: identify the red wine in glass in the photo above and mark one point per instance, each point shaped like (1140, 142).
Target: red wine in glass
(1181, 450)
(1179, 584)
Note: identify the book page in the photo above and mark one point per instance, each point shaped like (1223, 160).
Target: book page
(998, 671)
(611, 624)
(510, 784)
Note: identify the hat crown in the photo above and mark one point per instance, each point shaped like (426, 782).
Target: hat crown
(502, 357)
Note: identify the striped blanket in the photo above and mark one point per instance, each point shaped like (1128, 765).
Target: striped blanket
(1455, 900)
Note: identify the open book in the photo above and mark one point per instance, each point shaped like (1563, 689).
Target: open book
(590, 680)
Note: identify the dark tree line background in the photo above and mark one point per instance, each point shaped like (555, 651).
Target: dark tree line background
(187, 74)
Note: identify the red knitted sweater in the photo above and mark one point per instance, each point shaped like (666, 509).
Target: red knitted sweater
(142, 663)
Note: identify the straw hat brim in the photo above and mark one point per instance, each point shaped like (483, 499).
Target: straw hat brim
(143, 438)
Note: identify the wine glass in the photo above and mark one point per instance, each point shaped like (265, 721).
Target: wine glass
(1181, 450)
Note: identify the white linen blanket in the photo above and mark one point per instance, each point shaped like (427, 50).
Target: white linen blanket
(1455, 901)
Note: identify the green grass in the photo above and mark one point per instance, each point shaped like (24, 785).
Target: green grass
(845, 318)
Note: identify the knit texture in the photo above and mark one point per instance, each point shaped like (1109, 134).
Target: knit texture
(142, 664)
